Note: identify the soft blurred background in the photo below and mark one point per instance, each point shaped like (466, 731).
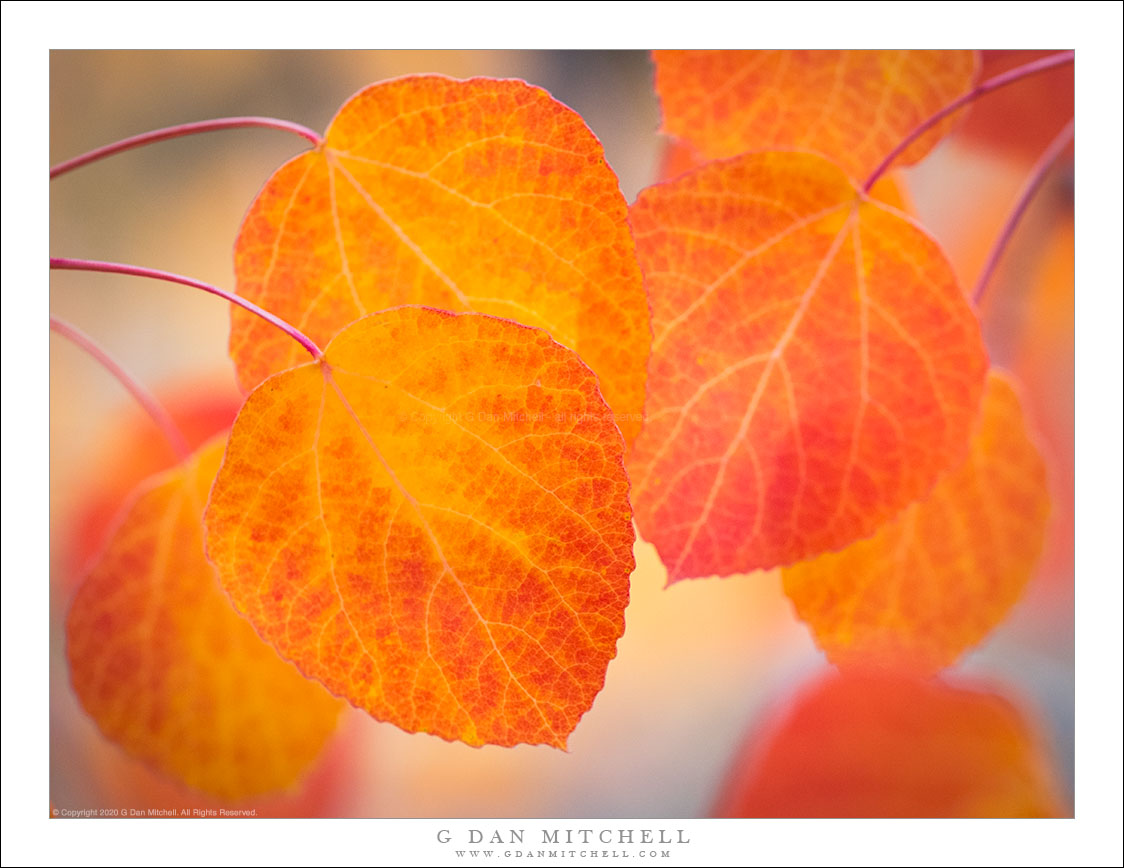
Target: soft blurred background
(700, 662)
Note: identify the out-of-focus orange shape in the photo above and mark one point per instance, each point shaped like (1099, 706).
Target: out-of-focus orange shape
(815, 366)
(853, 107)
(435, 524)
(1044, 359)
(1021, 119)
(887, 745)
(482, 195)
(167, 668)
(200, 411)
(936, 580)
(324, 791)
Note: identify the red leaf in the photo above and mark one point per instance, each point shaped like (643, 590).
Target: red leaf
(886, 745)
(815, 366)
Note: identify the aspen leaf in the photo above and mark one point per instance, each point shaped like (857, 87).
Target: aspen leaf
(887, 745)
(815, 366)
(435, 524)
(170, 671)
(481, 195)
(936, 580)
(851, 106)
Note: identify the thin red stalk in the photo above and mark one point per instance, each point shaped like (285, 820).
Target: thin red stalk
(183, 130)
(143, 397)
(119, 268)
(1033, 182)
(1002, 80)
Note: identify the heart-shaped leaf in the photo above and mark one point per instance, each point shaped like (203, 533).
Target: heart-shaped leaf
(434, 522)
(477, 195)
(815, 366)
(168, 669)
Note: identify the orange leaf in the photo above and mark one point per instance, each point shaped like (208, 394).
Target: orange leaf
(168, 669)
(435, 524)
(940, 576)
(477, 195)
(815, 366)
(865, 745)
(851, 106)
